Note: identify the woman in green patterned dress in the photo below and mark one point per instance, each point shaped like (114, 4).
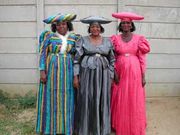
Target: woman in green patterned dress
(55, 103)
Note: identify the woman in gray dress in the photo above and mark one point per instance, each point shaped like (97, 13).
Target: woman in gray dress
(93, 72)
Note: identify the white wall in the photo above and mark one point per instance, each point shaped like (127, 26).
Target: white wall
(18, 46)
(161, 27)
(21, 23)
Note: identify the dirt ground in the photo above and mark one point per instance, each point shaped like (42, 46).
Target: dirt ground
(163, 117)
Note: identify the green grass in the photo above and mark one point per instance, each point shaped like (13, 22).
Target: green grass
(10, 125)
(17, 116)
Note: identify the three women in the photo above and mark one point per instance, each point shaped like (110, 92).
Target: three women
(93, 72)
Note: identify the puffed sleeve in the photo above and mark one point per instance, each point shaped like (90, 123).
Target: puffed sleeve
(143, 49)
(111, 60)
(78, 55)
(114, 40)
(43, 49)
(143, 45)
(72, 38)
(114, 43)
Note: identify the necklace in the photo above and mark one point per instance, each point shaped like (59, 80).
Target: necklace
(126, 38)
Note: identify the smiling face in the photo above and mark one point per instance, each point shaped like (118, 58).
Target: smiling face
(126, 25)
(95, 29)
(62, 28)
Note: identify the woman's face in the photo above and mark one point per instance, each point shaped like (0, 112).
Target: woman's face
(126, 26)
(95, 29)
(62, 28)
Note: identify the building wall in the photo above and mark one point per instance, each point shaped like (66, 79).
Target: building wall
(18, 46)
(21, 23)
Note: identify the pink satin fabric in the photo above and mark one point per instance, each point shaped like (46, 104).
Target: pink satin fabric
(128, 112)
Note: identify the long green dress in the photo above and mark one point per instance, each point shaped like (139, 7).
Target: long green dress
(55, 103)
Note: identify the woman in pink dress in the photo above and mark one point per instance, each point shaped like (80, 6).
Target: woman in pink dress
(128, 94)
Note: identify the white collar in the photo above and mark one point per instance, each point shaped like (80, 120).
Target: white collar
(64, 42)
(63, 36)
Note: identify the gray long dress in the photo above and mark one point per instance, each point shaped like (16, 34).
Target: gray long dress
(95, 67)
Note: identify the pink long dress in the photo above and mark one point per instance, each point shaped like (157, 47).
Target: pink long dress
(128, 113)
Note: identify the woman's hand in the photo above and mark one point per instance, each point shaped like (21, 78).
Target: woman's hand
(143, 80)
(43, 76)
(116, 77)
(76, 82)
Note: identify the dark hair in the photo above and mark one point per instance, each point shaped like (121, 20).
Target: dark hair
(132, 29)
(69, 25)
(101, 27)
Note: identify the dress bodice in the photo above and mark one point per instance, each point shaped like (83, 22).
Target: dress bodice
(92, 55)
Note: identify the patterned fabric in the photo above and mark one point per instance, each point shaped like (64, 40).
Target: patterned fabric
(55, 103)
(59, 18)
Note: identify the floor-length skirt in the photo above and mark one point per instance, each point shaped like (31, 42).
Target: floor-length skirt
(92, 113)
(128, 99)
(55, 103)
